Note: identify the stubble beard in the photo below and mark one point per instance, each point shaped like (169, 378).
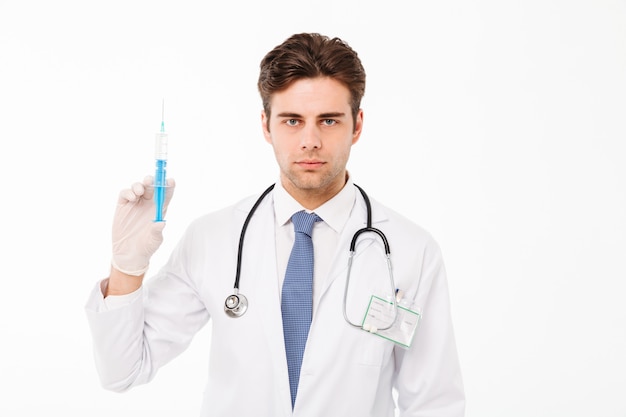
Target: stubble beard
(308, 181)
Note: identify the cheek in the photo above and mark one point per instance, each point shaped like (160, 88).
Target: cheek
(343, 152)
(280, 150)
(282, 144)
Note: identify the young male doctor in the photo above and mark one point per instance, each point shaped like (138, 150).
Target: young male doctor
(311, 87)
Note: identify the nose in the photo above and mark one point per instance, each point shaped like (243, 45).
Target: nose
(310, 137)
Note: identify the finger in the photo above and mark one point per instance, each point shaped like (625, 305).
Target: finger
(139, 189)
(127, 195)
(132, 194)
(148, 187)
(169, 191)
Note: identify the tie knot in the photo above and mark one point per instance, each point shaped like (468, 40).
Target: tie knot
(303, 222)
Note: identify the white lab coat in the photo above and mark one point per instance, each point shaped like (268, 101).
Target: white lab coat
(345, 371)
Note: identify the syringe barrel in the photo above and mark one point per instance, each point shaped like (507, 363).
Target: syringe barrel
(159, 174)
(160, 146)
(160, 184)
(160, 181)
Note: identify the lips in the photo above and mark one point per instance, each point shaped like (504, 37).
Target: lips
(311, 164)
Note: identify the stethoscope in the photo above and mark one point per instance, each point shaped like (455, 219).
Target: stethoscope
(236, 304)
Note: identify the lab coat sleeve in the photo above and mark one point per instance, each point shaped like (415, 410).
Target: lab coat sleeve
(131, 342)
(117, 340)
(428, 379)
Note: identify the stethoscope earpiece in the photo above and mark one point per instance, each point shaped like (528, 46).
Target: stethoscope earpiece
(235, 305)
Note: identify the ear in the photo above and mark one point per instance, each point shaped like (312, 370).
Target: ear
(265, 126)
(358, 127)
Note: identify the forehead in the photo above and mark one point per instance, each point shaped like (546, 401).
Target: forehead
(312, 96)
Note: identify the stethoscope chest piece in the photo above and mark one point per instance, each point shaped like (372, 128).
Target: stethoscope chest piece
(235, 305)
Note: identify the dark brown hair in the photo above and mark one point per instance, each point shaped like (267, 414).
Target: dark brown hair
(311, 55)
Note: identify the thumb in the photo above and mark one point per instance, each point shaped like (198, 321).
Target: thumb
(155, 237)
(156, 231)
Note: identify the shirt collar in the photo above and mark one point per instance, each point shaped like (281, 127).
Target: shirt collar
(334, 212)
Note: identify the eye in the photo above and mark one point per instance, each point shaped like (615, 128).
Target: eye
(291, 122)
(329, 122)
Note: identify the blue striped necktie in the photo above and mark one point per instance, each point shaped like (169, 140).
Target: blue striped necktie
(297, 296)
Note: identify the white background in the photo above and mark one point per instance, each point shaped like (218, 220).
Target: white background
(497, 125)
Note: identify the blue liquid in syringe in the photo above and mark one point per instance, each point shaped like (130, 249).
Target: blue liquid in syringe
(159, 189)
(160, 181)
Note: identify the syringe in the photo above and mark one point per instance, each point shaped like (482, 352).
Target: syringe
(160, 182)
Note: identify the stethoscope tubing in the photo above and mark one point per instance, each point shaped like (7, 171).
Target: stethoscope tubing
(237, 304)
(243, 234)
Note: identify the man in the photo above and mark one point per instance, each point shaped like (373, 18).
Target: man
(311, 87)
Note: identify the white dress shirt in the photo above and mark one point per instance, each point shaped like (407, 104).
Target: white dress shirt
(334, 214)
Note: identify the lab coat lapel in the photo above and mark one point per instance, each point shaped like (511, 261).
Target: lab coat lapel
(356, 221)
(263, 279)
(368, 261)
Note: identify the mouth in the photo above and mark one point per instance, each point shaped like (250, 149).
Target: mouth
(309, 164)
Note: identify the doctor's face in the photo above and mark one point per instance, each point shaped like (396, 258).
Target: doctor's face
(312, 131)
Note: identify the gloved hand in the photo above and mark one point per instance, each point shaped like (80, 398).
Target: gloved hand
(136, 236)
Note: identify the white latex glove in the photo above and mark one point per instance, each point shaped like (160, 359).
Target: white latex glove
(136, 236)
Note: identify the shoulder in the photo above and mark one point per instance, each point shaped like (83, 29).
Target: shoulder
(228, 218)
(401, 226)
(414, 250)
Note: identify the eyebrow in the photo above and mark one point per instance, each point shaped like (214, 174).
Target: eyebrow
(321, 116)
